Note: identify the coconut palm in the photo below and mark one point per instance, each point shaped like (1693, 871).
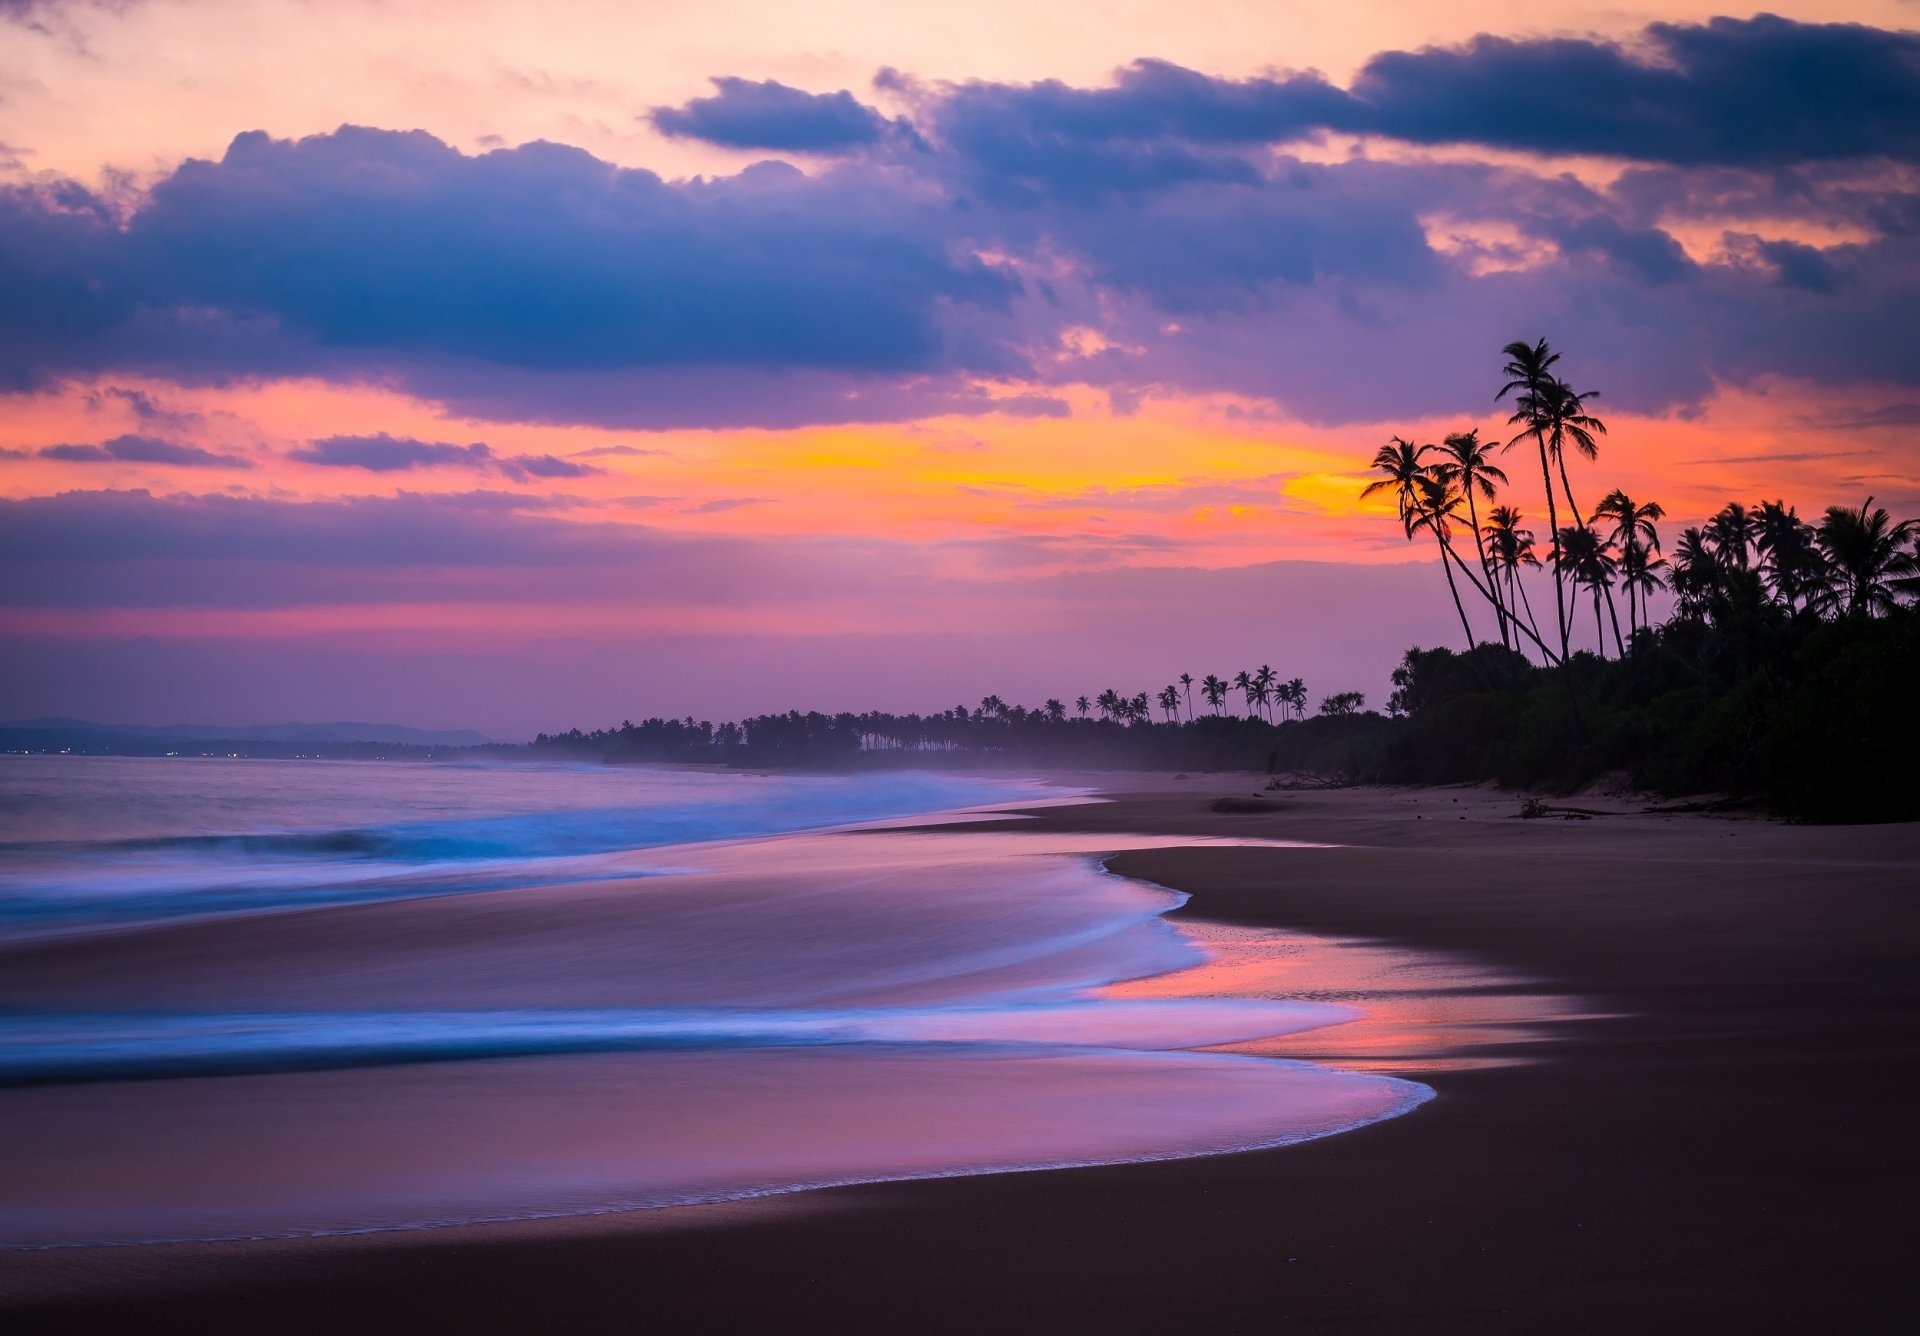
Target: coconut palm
(1243, 683)
(1509, 547)
(1214, 690)
(1402, 465)
(1566, 422)
(1082, 704)
(1263, 684)
(1790, 559)
(1732, 533)
(1433, 506)
(1186, 685)
(1169, 700)
(1529, 372)
(1641, 572)
(1590, 562)
(1056, 712)
(1698, 576)
(1634, 532)
(1865, 555)
(1467, 463)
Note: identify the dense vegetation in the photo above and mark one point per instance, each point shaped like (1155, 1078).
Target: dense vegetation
(1780, 675)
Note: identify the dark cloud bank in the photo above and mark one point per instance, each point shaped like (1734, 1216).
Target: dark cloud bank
(539, 283)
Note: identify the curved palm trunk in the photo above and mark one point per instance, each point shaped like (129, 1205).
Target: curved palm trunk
(1513, 578)
(1553, 529)
(1454, 589)
(1465, 570)
(1486, 567)
(1619, 647)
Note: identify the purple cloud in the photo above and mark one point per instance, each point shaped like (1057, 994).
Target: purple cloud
(540, 284)
(770, 115)
(399, 454)
(133, 449)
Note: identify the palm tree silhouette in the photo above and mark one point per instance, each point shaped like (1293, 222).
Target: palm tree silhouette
(1082, 704)
(1243, 683)
(1055, 711)
(1510, 547)
(1467, 463)
(1699, 578)
(1731, 532)
(1641, 573)
(1529, 371)
(1186, 685)
(1169, 699)
(1566, 421)
(1790, 560)
(1263, 688)
(1214, 690)
(1590, 563)
(1865, 553)
(1416, 488)
(1633, 529)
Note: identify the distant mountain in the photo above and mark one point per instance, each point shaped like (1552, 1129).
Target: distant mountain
(82, 732)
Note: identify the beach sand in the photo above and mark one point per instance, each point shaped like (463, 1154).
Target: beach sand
(1722, 1140)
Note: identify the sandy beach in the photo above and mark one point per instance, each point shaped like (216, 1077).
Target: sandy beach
(1718, 1136)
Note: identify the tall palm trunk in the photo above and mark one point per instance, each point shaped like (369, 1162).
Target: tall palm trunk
(1553, 528)
(1481, 589)
(1515, 582)
(1486, 567)
(1619, 647)
(1454, 589)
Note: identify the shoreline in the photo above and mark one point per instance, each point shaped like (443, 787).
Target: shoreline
(1726, 1148)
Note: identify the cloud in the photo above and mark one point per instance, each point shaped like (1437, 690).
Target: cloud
(1747, 92)
(398, 454)
(770, 115)
(132, 449)
(600, 451)
(934, 277)
(724, 504)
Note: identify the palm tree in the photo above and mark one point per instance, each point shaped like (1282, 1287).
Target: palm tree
(1641, 573)
(1510, 547)
(1402, 464)
(1109, 702)
(1437, 510)
(1864, 552)
(1415, 488)
(1634, 531)
(1082, 704)
(1243, 683)
(1565, 420)
(1529, 370)
(1169, 699)
(1263, 683)
(1214, 690)
(1698, 577)
(1590, 562)
(1137, 707)
(1790, 560)
(1467, 463)
(1056, 712)
(1186, 685)
(1731, 532)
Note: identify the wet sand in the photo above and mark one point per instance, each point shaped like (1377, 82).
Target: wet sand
(1723, 1141)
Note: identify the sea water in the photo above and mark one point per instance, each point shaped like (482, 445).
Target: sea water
(254, 999)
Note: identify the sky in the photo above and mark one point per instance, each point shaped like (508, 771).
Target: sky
(519, 366)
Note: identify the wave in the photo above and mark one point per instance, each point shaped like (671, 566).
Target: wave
(53, 1049)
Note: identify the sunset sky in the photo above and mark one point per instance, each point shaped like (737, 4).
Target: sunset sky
(521, 366)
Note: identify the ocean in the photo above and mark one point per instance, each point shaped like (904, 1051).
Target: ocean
(251, 999)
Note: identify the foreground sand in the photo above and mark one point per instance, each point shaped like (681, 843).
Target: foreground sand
(1732, 1150)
